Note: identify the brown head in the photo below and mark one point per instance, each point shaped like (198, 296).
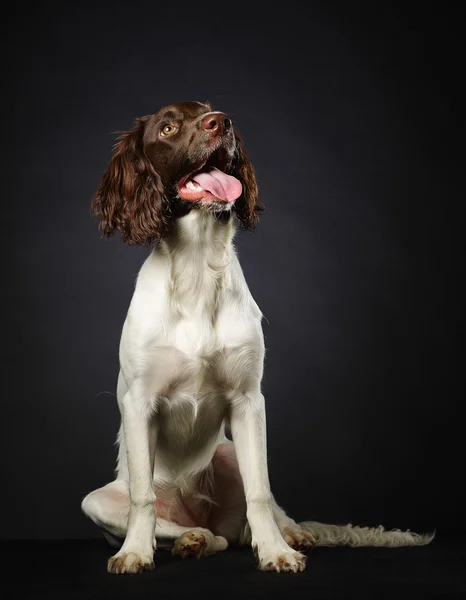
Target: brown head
(183, 157)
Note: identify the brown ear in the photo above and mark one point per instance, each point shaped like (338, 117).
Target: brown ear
(246, 207)
(130, 197)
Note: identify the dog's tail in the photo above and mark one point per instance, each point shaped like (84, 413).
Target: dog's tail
(349, 535)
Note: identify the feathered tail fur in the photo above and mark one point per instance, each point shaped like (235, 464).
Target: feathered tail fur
(349, 535)
(355, 536)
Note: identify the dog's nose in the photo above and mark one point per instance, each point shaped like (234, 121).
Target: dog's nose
(216, 123)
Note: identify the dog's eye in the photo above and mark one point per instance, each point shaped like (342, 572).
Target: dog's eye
(168, 130)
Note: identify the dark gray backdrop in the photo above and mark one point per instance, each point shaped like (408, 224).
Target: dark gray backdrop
(353, 120)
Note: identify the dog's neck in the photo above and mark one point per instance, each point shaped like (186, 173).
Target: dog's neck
(199, 250)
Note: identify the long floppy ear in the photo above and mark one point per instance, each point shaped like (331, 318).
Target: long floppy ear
(247, 207)
(131, 197)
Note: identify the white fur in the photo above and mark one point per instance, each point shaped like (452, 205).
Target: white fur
(191, 358)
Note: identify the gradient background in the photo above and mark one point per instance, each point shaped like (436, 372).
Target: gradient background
(353, 119)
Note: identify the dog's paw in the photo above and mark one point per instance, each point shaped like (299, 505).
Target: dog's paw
(130, 562)
(282, 561)
(192, 544)
(298, 539)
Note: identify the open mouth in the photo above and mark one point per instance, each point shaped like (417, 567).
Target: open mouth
(209, 181)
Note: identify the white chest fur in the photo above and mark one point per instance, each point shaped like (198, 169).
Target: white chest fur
(192, 320)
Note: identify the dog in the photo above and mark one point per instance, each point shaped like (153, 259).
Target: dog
(191, 358)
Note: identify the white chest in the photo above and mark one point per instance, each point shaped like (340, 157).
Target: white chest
(195, 337)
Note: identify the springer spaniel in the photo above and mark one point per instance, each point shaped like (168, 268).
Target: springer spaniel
(191, 358)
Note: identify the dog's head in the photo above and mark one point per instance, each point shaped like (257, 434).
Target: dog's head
(183, 157)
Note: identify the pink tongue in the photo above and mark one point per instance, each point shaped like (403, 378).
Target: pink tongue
(222, 186)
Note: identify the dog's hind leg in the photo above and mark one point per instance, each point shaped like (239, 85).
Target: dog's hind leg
(108, 507)
(197, 542)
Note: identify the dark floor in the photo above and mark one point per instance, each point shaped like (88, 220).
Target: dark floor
(69, 570)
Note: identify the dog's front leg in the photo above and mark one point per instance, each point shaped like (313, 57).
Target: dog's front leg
(137, 552)
(248, 427)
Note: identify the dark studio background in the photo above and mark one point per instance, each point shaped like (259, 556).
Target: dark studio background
(352, 116)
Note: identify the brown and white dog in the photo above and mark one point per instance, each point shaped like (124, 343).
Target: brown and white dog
(191, 358)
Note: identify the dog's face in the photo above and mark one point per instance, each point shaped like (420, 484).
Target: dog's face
(188, 144)
(185, 156)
